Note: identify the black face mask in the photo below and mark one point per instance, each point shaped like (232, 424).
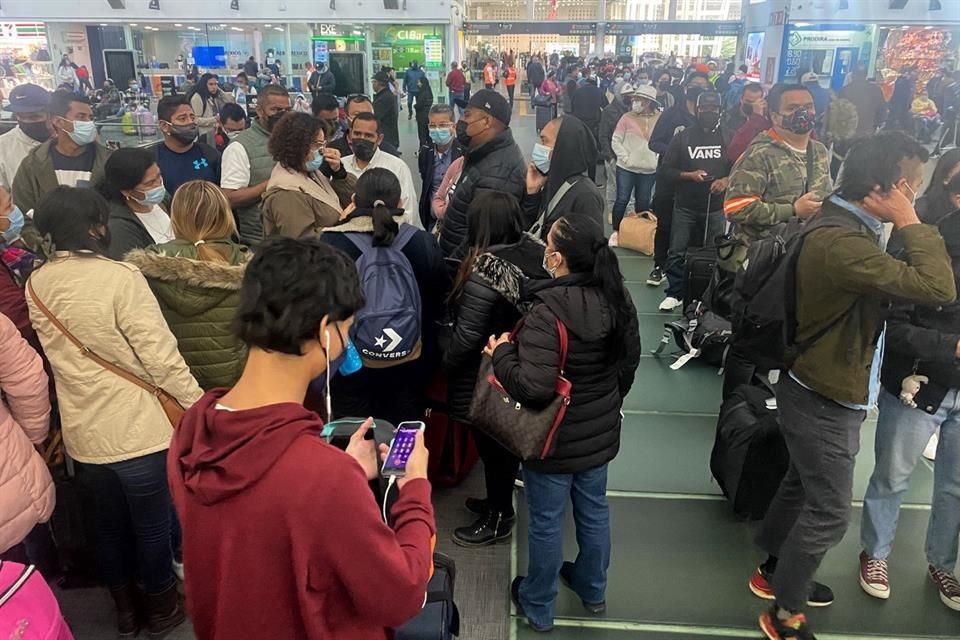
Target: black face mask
(463, 137)
(364, 150)
(274, 119)
(184, 133)
(693, 93)
(747, 109)
(664, 85)
(709, 120)
(36, 130)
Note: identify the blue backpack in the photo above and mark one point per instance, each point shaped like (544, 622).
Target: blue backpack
(387, 330)
(734, 91)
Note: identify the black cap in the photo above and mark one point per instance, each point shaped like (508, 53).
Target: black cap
(382, 76)
(28, 98)
(493, 103)
(709, 99)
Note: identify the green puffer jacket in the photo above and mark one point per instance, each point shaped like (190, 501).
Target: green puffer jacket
(199, 300)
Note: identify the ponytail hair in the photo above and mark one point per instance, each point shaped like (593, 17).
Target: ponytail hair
(200, 213)
(378, 190)
(580, 240)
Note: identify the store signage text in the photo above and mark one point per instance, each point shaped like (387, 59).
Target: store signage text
(329, 29)
(549, 27)
(672, 27)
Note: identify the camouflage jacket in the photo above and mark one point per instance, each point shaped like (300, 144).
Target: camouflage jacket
(764, 183)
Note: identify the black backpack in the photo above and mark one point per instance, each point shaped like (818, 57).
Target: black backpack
(765, 294)
(700, 333)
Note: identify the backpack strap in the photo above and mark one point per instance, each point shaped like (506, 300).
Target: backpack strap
(554, 201)
(364, 241)
(17, 584)
(810, 161)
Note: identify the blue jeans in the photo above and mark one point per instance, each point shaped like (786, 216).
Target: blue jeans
(133, 521)
(410, 96)
(640, 185)
(547, 495)
(687, 231)
(902, 434)
(454, 96)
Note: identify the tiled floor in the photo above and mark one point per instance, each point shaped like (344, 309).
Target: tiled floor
(681, 561)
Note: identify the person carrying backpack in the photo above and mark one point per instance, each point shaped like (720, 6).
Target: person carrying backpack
(841, 279)
(404, 279)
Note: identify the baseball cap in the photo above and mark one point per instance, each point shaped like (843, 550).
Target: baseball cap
(493, 103)
(382, 76)
(28, 98)
(709, 99)
(809, 76)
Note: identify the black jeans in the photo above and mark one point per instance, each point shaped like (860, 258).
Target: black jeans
(811, 511)
(134, 514)
(499, 472)
(510, 89)
(663, 207)
(688, 231)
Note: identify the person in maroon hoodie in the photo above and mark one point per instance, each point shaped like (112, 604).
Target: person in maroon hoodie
(281, 535)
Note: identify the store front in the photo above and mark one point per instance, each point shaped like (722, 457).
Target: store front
(397, 46)
(25, 55)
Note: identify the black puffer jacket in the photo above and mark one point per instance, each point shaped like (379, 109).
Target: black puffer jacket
(498, 166)
(488, 305)
(600, 370)
(926, 338)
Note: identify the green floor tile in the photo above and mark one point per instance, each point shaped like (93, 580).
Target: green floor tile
(645, 298)
(670, 453)
(524, 632)
(693, 389)
(688, 562)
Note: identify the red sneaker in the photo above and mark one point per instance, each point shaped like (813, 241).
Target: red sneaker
(793, 627)
(820, 594)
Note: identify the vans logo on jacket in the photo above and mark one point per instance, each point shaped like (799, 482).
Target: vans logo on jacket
(713, 152)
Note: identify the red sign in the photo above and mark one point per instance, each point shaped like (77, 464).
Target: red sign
(777, 18)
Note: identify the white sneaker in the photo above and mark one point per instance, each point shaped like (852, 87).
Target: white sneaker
(930, 453)
(614, 240)
(670, 304)
(178, 570)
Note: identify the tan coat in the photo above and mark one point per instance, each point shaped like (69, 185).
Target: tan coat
(109, 307)
(297, 206)
(26, 488)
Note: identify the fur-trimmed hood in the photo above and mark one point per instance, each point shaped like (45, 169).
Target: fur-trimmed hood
(359, 224)
(507, 268)
(191, 286)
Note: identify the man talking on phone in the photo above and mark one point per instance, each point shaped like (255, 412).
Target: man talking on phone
(783, 173)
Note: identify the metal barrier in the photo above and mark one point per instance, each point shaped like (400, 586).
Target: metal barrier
(115, 134)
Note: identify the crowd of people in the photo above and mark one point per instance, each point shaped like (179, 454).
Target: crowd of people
(190, 319)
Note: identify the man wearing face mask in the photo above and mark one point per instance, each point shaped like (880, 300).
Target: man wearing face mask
(436, 157)
(247, 164)
(357, 104)
(751, 101)
(695, 161)
(492, 161)
(558, 177)
(28, 104)
(233, 120)
(843, 279)
(783, 173)
(365, 138)
(181, 157)
(72, 159)
(671, 122)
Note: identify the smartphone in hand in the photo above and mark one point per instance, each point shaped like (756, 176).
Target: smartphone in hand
(401, 448)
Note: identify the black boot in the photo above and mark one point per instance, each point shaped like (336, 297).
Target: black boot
(164, 611)
(127, 625)
(487, 530)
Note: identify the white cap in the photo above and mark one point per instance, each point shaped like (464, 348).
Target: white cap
(647, 91)
(809, 76)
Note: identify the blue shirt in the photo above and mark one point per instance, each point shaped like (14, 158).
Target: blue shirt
(441, 162)
(874, 390)
(199, 162)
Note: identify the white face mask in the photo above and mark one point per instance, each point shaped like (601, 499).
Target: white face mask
(639, 106)
(546, 266)
(913, 200)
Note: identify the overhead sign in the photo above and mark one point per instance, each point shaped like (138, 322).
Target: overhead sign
(433, 52)
(551, 27)
(670, 27)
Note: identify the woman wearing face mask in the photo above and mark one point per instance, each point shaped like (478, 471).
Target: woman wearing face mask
(117, 432)
(636, 163)
(500, 260)
(300, 201)
(377, 216)
(938, 200)
(207, 102)
(133, 187)
(551, 87)
(587, 297)
(196, 279)
(662, 83)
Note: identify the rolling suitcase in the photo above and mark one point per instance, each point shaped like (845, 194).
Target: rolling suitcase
(453, 452)
(544, 116)
(700, 265)
(440, 618)
(749, 457)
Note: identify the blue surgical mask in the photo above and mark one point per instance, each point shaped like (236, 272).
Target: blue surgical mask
(541, 157)
(83, 132)
(12, 233)
(315, 163)
(153, 196)
(440, 136)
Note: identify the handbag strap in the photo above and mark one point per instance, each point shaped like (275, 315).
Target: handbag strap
(561, 333)
(86, 351)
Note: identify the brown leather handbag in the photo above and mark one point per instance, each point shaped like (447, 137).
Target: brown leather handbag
(527, 433)
(170, 405)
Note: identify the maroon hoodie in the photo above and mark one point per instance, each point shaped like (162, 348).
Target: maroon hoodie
(281, 535)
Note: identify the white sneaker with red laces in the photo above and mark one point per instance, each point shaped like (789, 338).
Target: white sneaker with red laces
(874, 578)
(614, 240)
(948, 587)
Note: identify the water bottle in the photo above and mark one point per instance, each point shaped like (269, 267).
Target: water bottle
(352, 362)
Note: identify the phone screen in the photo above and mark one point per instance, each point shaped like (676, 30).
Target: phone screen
(402, 447)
